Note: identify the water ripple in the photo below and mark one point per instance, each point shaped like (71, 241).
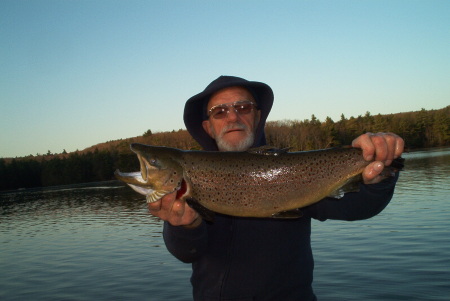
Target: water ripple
(100, 242)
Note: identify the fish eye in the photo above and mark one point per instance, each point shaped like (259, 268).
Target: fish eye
(153, 162)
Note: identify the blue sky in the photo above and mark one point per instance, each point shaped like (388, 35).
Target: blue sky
(77, 73)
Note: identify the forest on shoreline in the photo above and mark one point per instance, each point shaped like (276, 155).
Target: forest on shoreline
(421, 129)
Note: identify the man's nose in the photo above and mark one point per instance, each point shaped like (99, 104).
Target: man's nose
(232, 115)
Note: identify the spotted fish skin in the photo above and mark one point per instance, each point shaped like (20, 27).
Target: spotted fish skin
(254, 185)
(250, 184)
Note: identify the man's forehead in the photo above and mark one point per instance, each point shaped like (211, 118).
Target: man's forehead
(230, 94)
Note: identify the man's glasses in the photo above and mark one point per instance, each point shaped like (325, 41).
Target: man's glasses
(241, 107)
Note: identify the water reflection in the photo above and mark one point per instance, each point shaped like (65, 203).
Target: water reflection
(92, 243)
(401, 254)
(100, 242)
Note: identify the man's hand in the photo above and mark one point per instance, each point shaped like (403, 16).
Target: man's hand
(381, 147)
(176, 212)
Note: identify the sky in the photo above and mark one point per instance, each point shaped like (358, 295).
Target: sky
(77, 73)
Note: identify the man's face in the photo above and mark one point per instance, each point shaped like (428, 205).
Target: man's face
(234, 132)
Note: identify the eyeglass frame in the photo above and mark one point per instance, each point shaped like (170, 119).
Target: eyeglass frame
(232, 105)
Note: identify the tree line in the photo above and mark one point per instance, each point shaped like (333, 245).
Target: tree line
(420, 129)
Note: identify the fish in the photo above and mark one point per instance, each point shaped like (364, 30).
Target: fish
(261, 182)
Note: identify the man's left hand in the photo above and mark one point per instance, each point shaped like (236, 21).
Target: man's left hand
(381, 147)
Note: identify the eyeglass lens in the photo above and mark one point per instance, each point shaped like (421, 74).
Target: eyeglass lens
(241, 108)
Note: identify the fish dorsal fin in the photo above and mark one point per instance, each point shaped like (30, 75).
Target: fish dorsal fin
(351, 185)
(268, 150)
(155, 195)
(295, 213)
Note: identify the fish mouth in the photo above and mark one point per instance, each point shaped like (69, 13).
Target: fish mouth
(154, 180)
(140, 185)
(135, 181)
(143, 163)
(139, 178)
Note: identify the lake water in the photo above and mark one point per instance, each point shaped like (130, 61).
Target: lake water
(98, 242)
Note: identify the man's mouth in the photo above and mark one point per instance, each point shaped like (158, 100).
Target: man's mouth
(234, 130)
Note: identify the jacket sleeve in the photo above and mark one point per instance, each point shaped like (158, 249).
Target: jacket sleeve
(187, 245)
(368, 202)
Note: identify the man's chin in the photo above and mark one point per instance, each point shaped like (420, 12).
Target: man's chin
(235, 141)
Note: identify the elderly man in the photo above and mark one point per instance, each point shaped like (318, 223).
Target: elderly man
(259, 259)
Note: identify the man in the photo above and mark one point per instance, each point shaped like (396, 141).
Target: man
(249, 258)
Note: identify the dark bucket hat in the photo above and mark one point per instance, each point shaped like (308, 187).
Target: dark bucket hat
(195, 108)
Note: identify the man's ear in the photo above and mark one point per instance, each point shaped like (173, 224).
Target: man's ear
(207, 128)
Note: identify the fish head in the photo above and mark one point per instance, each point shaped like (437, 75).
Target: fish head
(160, 171)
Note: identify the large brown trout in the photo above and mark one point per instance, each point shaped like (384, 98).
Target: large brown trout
(261, 182)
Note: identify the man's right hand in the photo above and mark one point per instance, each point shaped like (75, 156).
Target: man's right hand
(176, 212)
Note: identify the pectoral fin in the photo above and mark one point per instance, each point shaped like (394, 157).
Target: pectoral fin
(155, 195)
(352, 185)
(296, 213)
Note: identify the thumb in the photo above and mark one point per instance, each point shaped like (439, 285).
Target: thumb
(372, 171)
